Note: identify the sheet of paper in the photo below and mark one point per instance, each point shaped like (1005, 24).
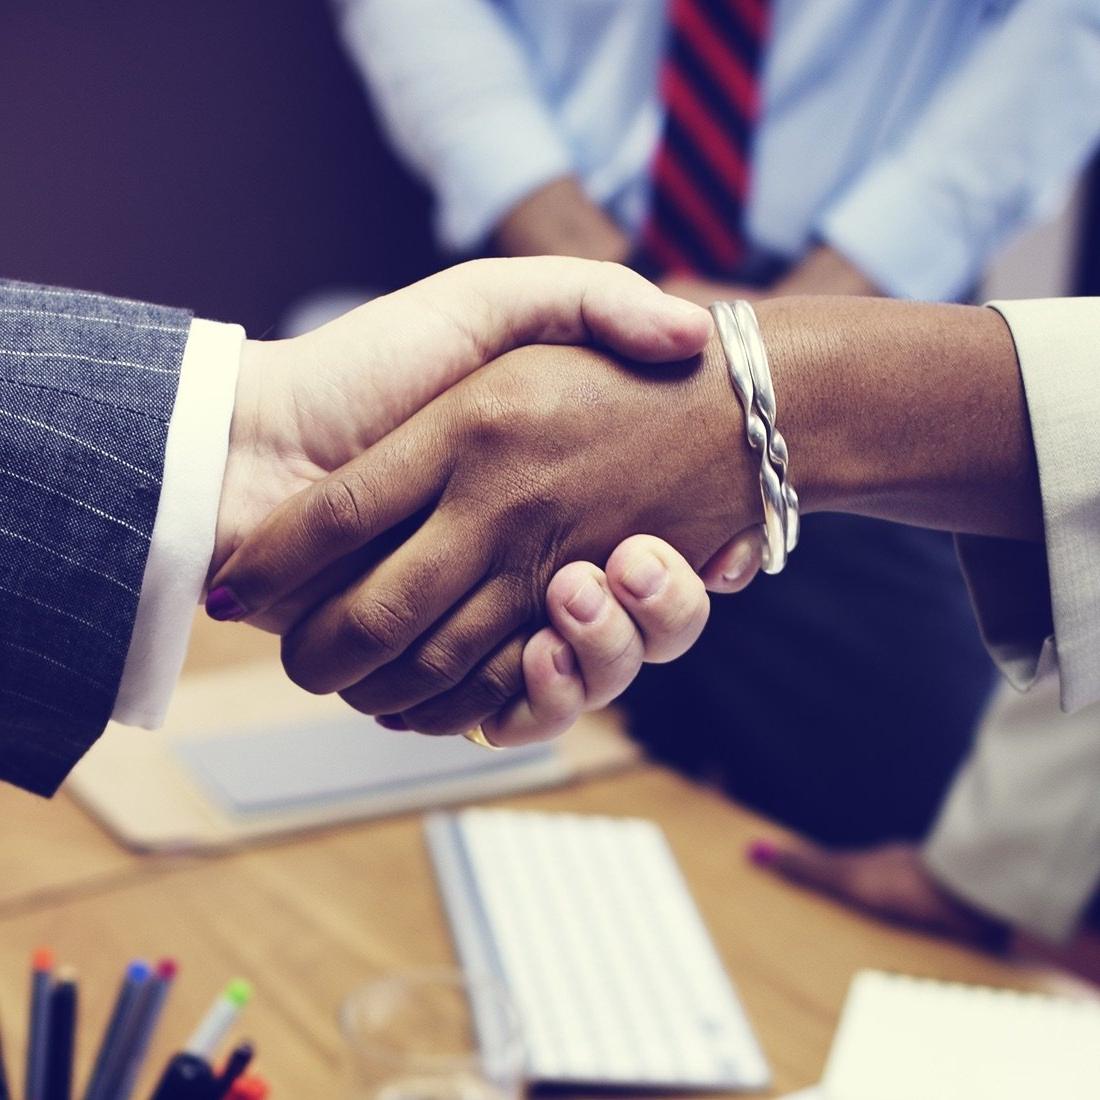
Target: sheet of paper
(903, 1038)
(312, 763)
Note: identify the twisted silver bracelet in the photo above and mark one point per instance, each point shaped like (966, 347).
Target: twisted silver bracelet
(747, 361)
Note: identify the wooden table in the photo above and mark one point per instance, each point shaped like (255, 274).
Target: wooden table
(308, 919)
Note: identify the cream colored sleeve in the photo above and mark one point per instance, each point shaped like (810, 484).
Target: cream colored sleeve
(1019, 833)
(1039, 605)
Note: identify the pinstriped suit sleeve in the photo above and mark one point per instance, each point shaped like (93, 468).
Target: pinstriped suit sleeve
(87, 387)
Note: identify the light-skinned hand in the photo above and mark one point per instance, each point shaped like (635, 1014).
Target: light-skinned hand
(308, 405)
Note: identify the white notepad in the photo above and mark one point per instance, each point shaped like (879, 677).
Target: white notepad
(245, 755)
(589, 923)
(310, 764)
(903, 1038)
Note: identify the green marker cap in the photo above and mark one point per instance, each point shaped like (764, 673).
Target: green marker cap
(238, 992)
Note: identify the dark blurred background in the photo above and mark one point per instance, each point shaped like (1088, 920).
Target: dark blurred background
(218, 154)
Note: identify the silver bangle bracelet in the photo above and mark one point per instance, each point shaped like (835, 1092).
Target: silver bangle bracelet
(747, 362)
(765, 397)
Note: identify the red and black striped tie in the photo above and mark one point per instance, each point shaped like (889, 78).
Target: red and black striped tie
(701, 171)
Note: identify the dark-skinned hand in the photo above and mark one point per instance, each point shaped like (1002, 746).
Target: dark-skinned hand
(889, 881)
(547, 456)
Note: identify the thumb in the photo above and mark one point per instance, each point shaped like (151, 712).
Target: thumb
(508, 302)
(736, 564)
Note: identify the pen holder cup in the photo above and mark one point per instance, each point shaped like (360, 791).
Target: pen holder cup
(433, 1035)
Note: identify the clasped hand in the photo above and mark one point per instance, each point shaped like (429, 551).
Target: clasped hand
(419, 558)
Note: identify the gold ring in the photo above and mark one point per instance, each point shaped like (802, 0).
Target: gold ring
(477, 736)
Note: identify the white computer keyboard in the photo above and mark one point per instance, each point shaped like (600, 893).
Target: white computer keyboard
(587, 920)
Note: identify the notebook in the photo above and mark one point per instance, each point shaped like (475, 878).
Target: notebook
(350, 758)
(588, 922)
(903, 1038)
(246, 755)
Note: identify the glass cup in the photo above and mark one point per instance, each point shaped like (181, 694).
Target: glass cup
(433, 1035)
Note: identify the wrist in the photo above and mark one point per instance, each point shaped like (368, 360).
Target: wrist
(798, 354)
(903, 410)
(739, 494)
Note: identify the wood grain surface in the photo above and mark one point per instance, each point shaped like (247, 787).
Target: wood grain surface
(308, 919)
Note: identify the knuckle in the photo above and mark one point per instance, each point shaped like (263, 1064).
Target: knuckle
(496, 413)
(497, 682)
(622, 650)
(375, 629)
(342, 507)
(523, 590)
(438, 662)
(677, 610)
(484, 692)
(538, 527)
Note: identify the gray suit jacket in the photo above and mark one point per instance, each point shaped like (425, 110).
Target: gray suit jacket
(87, 385)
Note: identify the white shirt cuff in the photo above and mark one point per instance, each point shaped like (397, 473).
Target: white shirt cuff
(183, 535)
(1058, 346)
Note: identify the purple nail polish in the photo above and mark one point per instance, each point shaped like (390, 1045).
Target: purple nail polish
(392, 722)
(223, 605)
(763, 853)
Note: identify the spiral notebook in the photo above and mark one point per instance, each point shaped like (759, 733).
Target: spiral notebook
(903, 1038)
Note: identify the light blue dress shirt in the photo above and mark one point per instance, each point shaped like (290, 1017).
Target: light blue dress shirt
(915, 136)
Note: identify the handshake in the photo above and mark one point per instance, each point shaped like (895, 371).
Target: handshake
(453, 522)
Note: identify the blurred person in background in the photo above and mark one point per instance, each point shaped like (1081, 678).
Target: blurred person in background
(732, 147)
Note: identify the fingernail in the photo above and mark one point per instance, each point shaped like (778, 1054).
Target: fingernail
(763, 853)
(563, 660)
(646, 576)
(392, 722)
(739, 565)
(587, 602)
(223, 605)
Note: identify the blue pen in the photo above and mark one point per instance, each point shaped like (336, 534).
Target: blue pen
(137, 974)
(146, 1017)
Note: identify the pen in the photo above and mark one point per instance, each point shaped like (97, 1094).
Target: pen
(62, 1037)
(5, 1092)
(234, 1069)
(188, 1075)
(38, 1040)
(218, 1020)
(146, 1018)
(137, 974)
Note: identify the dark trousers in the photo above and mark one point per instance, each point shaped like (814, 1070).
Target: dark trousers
(838, 697)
